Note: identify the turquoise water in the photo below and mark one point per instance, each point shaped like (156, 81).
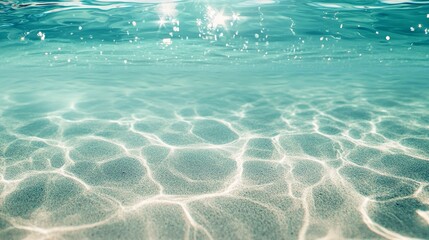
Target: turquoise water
(251, 119)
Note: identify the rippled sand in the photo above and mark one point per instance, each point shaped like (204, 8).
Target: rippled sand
(221, 159)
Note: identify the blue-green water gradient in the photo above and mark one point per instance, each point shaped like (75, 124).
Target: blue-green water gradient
(250, 119)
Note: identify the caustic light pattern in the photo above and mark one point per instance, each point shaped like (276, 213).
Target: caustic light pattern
(183, 161)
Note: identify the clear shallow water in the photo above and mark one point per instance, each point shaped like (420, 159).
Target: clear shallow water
(214, 120)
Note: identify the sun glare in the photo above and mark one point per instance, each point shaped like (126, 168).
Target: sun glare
(216, 18)
(167, 10)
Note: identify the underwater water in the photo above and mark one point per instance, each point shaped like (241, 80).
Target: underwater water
(245, 119)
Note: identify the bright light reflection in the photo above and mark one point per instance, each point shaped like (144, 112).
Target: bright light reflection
(216, 18)
(235, 16)
(162, 22)
(167, 10)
